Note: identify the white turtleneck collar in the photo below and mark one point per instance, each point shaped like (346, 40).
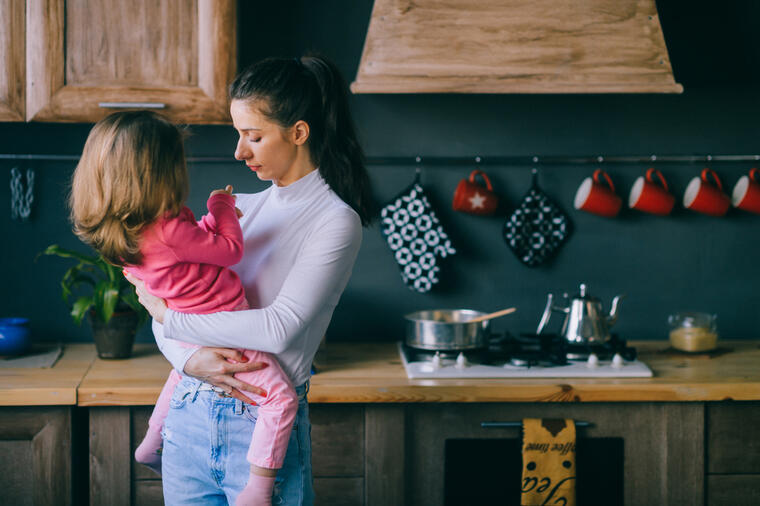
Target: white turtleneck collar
(299, 191)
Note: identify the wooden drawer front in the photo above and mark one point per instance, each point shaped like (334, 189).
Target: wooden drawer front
(338, 491)
(337, 440)
(733, 490)
(733, 438)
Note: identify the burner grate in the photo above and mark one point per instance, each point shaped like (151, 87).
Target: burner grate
(528, 350)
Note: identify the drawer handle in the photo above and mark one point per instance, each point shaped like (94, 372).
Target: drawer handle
(132, 105)
(500, 425)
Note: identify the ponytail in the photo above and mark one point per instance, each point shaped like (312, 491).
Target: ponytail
(312, 89)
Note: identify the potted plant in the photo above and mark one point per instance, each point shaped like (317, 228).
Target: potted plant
(108, 300)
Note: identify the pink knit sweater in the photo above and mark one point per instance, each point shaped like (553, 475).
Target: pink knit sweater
(185, 262)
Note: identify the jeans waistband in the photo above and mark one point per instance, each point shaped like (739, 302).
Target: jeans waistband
(301, 390)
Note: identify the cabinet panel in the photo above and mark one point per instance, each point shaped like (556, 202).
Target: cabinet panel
(163, 51)
(338, 491)
(733, 444)
(12, 60)
(337, 440)
(663, 444)
(35, 455)
(177, 55)
(733, 490)
(148, 493)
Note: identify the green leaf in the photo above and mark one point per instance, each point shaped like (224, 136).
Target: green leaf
(73, 278)
(106, 298)
(56, 250)
(129, 296)
(80, 308)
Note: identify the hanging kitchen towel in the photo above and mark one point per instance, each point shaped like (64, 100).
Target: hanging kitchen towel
(548, 453)
(537, 228)
(416, 237)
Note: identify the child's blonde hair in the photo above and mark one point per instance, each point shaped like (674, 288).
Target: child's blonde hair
(131, 172)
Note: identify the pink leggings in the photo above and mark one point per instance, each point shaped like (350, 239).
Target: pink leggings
(276, 412)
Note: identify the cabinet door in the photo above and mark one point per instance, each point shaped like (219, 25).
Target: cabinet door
(87, 57)
(12, 60)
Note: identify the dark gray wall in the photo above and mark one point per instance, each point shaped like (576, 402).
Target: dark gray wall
(682, 262)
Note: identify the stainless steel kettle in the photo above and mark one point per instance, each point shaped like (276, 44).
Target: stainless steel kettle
(585, 320)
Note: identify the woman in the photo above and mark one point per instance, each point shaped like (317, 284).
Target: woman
(301, 238)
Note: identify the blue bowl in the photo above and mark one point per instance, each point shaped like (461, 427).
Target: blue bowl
(14, 336)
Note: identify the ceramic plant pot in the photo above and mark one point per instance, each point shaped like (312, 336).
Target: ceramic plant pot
(114, 340)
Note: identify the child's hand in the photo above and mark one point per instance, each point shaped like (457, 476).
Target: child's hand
(227, 190)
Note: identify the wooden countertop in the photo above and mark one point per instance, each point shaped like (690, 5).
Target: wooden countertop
(46, 387)
(373, 372)
(135, 381)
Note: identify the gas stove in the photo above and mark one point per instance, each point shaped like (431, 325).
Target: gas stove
(528, 356)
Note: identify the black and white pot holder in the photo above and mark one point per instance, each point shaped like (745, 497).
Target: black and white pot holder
(416, 237)
(537, 228)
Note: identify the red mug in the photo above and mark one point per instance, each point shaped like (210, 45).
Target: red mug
(470, 197)
(650, 197)
(705, 197)
(746, 194)
(594, 197)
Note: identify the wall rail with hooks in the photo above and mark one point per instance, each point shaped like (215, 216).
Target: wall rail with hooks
(467, 160)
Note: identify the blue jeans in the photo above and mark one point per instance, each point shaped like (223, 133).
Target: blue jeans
(206, 438)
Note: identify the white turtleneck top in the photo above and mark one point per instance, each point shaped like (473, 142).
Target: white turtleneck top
(301, 242)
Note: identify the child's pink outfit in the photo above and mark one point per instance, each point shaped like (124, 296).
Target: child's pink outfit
(185, 262)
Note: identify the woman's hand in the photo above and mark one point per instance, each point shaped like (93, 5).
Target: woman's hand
(217, 365)
(156, 306)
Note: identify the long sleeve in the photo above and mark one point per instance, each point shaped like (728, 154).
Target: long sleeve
(216, 239)
(315, 282)
(175, 353)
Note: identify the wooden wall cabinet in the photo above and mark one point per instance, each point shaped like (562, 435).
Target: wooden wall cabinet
(12, 60)
(81, 59)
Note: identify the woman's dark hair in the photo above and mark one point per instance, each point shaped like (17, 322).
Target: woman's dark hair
(312, 89)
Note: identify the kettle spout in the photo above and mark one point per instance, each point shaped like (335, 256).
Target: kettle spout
(612, 318)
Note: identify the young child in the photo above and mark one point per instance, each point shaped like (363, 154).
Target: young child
(127, 201)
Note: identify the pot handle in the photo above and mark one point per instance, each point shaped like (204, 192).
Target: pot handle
(550, 307)
(547, 313)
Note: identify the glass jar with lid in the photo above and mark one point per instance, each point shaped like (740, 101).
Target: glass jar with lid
(694, 332)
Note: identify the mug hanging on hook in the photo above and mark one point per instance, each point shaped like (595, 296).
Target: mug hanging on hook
(474, 198)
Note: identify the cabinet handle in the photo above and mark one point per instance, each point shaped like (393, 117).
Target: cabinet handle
(500, 425)
(132, 105)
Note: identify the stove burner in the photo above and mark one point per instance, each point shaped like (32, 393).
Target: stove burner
(526, 350)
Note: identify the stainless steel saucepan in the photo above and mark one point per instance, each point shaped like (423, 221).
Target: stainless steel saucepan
(450, 329)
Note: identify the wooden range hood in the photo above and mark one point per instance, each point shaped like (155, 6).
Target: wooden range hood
(515, 46)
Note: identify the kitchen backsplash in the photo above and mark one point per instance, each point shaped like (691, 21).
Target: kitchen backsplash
(681, 262)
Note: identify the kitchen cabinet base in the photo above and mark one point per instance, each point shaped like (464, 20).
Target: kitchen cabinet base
(36, 455)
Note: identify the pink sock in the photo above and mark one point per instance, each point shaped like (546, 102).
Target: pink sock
(149, 451)
(257, 492)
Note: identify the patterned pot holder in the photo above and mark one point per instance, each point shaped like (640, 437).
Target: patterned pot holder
(537, 228)
(415, 236)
